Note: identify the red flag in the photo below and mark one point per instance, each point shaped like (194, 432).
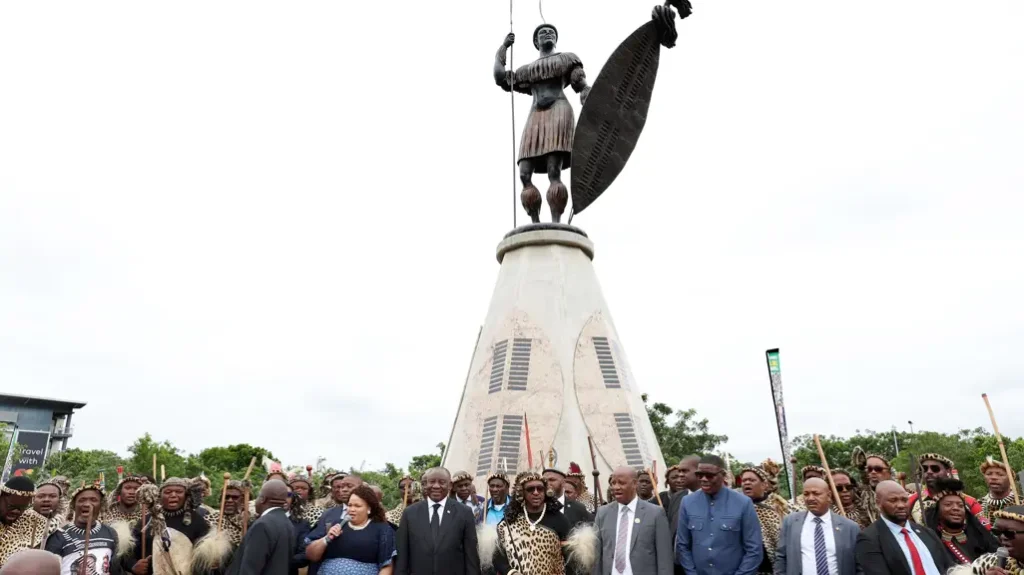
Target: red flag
(529, 452)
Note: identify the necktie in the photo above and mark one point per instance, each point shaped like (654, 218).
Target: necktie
(620, 540)
(914, 555)
(435, 520)
(820, 556)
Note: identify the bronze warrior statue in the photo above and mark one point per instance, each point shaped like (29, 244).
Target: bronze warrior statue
(546, 145)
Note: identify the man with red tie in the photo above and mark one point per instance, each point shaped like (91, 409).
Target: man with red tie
(895, 546)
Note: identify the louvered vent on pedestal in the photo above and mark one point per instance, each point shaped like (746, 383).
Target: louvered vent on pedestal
(519, 369)
(483, 465)
(508, 447)
(497, 366)
(607, 363)
(627, 434)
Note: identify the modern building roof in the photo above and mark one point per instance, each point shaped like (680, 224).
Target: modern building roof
(29, 401)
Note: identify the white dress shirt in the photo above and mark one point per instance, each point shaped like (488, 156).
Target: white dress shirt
(440, 510)
(630, 521)
(808, 559)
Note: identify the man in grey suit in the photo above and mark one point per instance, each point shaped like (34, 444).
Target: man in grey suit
(633, 534)
(817, 541)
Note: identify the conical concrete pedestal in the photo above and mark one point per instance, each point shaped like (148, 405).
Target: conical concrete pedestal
(549, 350)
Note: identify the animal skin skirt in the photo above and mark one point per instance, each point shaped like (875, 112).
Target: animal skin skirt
(548, 131)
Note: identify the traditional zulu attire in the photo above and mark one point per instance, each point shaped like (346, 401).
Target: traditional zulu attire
(474, 504)
(548, 130)
(308, 510)
(56, 519)
(101, 557)
(116, 512)
(207, 488)
(969, 542)
(173, 532)
(990, 504)
(770, 512)
(532, 545)
(213, 552)
(990, 560)
(927, 500)
(867, 504)
(853, 513)
(394, 516)
(583, 496)
(27, 531)
(799, 500)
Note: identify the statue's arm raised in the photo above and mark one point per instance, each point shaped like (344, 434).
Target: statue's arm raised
(578, 81)
(501, 75)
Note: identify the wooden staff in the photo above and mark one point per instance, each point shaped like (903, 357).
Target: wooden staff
(154, 467)
(223, 498)
(83, 566)
(163, 473)
(1002, 449)
(405, 495)
(654, 481)
(598, 498)
(245, 497)
(142, 530)
(828, 475)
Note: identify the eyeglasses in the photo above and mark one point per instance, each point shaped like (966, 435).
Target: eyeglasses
(707, 474)
(932, 468)
(876, 469)
(844, 488)
(535, 489)
(1007, 533)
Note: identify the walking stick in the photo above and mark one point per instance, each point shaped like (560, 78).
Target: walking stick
(83, 567)
(245, 498)
(142, 530)
(598, 498)
(828, 475)
(154, 467)
(223, 498)
(651, 473)
(1002, 449)
(163, 473)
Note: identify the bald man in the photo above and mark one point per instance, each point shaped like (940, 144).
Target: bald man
(32, 562)
(817, 537)
(894, 545)
(269, 545)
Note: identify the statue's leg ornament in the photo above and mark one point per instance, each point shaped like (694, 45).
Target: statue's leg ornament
(530, 197)
(558, 194)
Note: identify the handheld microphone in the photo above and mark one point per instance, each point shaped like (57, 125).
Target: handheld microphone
(1002, 554)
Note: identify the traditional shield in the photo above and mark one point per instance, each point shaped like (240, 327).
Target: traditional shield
(614, 115)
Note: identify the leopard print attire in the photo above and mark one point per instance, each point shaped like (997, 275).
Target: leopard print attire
(25, 533)
(990, 504)
(117, 512)
(587, 500)
(311, 513)
(232, 525)
(989, 560)
(530, 551)
(867, 505)
(769, 515)
(394, 516)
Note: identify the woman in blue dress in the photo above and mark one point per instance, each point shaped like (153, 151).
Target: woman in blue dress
(363, 545)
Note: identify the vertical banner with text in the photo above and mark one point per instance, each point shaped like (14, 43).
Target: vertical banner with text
(775, 377)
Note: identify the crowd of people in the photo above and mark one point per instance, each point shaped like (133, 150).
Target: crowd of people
(705, 522)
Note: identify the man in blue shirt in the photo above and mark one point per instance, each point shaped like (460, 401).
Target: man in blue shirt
(718, 532)
(497, 488)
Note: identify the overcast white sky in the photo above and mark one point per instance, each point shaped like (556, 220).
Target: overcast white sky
(287, 212)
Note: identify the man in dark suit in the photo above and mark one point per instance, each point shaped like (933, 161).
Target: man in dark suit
(817, 539)
(437, 536)
(269, 545)
(895, 546)
(633, 535)
(574, 511)
(687, 474)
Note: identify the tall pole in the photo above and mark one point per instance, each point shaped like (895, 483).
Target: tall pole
(895, 441)
(775, 377)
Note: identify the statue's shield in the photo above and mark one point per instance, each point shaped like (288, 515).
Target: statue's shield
(614, 115)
